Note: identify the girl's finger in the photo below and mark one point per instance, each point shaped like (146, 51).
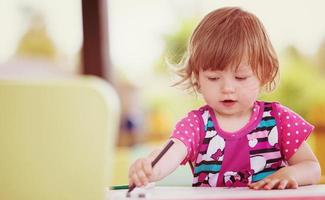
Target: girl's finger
(292, 184)
(146, 165)
(271, 184)
(138, 164)
(130, 175)
(283, 184)
(252, 185)
(130, 182)
(142, 177)
(136, 180)
(260, 184)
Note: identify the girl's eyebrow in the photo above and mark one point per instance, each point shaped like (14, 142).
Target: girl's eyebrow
(243, 71)
(209, 71)
(212, 74)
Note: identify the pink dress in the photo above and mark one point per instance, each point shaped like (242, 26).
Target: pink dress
(219, 158)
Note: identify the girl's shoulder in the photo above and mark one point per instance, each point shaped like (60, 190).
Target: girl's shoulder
(197, 111)
(193, 119)
(279, 110)
(275, 107)
(193, 115)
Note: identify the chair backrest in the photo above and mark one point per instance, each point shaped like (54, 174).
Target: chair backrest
(57, 138)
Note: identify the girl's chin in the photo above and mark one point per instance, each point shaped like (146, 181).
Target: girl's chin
(225, 111)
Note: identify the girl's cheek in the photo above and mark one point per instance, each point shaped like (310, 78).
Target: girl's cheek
(254, 86)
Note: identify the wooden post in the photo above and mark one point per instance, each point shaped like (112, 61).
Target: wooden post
(95, 50)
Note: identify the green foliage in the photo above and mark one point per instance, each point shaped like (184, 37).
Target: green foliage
(175, 46)
(300, 85)
(320, 58)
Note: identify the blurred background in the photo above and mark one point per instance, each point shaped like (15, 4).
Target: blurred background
(48, 39)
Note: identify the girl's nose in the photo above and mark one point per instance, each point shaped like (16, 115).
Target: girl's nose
(228, 86)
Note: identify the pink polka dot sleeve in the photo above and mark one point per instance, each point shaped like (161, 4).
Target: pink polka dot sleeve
(187, 130)
(293, 129)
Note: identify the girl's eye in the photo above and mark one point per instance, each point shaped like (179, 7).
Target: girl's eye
(213, 78)
(241, 78)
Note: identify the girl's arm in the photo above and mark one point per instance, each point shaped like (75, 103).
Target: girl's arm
(303, 169)
(141, 172)
(305, 166)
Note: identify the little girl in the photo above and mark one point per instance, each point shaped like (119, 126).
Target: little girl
(234, 140)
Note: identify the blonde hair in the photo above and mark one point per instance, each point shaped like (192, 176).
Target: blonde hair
(222, 39)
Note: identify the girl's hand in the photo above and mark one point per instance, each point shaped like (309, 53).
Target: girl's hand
(140, 172)
(279, 180)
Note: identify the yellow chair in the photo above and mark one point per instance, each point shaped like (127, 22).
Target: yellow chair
(57, 138)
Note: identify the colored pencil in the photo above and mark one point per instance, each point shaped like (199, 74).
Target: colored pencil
(154, 162)
(119, 187)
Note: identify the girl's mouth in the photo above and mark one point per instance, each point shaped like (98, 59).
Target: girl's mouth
(228, 103)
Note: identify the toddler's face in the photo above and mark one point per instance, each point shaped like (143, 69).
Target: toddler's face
(230, 92)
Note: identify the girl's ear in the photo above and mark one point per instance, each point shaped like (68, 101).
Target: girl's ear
(197, 87)
(196, 83)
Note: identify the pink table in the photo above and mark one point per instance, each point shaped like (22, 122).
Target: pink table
(314, 192)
